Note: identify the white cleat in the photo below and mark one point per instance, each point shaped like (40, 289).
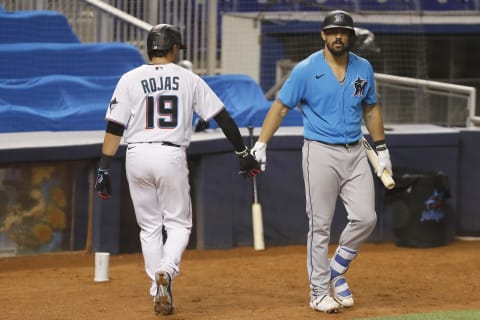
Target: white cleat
(341, 292)
(163, 300)
(325, 304)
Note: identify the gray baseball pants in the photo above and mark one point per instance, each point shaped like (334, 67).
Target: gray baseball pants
(330, 171)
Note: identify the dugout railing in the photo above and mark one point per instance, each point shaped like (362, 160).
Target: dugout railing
(408, 100)
(457, 102)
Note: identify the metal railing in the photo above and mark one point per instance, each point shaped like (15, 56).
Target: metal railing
(435, 97)
(411, 100)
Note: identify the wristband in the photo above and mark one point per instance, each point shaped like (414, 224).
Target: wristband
(380, 145)
(105, 161)
(242, 154)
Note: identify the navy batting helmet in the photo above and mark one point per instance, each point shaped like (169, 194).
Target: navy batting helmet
(338, 19)
(162, 37)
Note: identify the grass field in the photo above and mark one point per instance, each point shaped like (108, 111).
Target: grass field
(450, 315)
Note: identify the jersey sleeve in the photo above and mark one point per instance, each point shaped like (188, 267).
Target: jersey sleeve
(371, 96)
(119, 108)
(292, 90)
(206, 103)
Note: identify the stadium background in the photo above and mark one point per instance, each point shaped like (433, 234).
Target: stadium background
(59, 62)
(61, 59)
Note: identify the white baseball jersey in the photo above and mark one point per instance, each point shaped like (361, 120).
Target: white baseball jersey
(154, 103)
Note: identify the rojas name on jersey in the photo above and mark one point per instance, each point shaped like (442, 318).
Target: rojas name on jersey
(161, 83)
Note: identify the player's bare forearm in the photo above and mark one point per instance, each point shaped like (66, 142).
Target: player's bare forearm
(110, 144)
(374, 122)
(272, 121)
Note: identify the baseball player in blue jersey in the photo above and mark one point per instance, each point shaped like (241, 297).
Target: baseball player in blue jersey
(152, 109)
(334, 90)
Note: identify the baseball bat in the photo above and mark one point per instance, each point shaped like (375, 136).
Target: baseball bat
(257, 214)
(91, 196)
(372, 156)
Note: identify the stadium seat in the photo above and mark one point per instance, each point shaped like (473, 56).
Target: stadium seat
(26, 60)
(35, 26)
(49, 80)
(389, 5)
(55, 103)
(245, 101)
(448, 5)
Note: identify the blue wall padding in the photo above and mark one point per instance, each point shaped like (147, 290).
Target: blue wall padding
(469, 177)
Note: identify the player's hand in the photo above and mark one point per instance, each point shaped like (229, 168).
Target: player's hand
(259, 151)
(249, 167)
(102, 184)
(384, 162)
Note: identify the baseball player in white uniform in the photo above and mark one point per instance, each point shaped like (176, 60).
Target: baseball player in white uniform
(152, 108)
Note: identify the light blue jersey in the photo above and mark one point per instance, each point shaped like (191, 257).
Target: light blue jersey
(332, 111)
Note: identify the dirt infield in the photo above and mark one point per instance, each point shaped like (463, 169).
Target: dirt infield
(241, 284)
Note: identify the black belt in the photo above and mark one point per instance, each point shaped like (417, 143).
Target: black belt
(166, 143)
(346, 145)
(163, 143)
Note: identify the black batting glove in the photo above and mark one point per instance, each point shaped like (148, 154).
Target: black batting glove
(249, 166)
(102, 184)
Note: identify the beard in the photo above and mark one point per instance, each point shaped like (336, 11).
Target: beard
(337, 51)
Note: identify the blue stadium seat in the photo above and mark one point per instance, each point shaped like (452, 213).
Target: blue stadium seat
(55, 103)
(286, 5)
(388, 5)
(35, 26)
(245, 101)
(349, 5)
(446, 5)
(60, 86)
(27, 60)
(49, 81)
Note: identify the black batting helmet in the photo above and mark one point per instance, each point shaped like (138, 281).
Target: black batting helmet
(162, 37)
(338, 19)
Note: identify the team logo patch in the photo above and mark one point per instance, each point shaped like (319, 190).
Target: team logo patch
(113, 104)
(359, 85)
(339, 17)
(433, 207)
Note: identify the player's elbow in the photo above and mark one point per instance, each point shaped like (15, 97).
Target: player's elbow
(278, 110)
(283, 112)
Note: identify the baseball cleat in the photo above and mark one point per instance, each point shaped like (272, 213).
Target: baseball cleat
(341, 292)
(163, 301)
(325, 304)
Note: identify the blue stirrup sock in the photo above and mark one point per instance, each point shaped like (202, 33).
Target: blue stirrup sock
(341, 261)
